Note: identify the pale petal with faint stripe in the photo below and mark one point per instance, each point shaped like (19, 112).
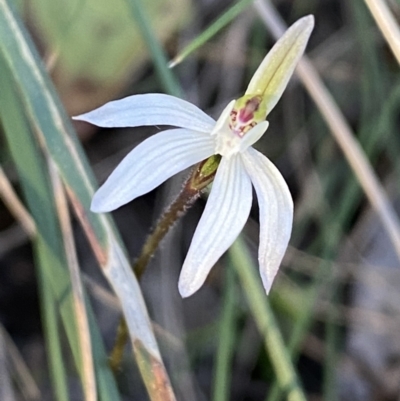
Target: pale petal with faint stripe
(276, 213)
(149, 109)
(225, 214)
(150, 164)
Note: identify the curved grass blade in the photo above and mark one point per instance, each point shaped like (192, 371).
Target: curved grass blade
(49, 252)
(46, 114)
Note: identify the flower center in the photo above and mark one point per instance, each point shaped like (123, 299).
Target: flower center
(241, 124)
(247, 112)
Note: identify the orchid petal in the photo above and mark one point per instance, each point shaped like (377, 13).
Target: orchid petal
(228, 144)
(223, 118)
(150, 164)
(273, 74)
(149, 109)
(225, 214)
(251, 137)
(276, 213)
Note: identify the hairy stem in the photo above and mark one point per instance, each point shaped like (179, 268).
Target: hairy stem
(202, 175)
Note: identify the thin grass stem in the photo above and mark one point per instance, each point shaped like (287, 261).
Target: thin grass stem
(6, 388)
(15, 205)
(211, 31)
(88, 372)
(226, 341)
(22, 375)
(387, 24)
(167, 77)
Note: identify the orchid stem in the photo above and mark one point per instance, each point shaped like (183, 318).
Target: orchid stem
(185, 199)
(200, 177)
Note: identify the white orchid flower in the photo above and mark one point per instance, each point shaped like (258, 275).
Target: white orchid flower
(198, 137)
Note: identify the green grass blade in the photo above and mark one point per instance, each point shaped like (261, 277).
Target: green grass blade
(267, 325)
(226, 341)
(50, 255)
(56, 133)
(165, 75)
(51, 329)
(303, 316)
(211, 31)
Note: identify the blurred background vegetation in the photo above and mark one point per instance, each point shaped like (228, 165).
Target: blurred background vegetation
(335, 305)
